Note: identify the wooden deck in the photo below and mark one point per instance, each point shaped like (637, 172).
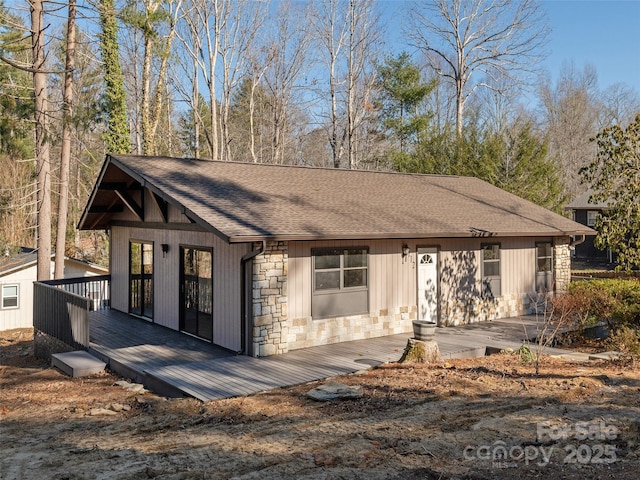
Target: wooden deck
(175, 364)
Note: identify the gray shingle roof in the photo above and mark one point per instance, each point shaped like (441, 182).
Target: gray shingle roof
(244, 202)
(581, 202)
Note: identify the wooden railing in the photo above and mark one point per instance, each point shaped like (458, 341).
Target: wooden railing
(96, 288)
(61, 307)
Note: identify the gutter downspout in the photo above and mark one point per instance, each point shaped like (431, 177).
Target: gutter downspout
(577, 241)
(247, 257)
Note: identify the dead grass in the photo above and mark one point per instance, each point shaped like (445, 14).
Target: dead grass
(414, 421)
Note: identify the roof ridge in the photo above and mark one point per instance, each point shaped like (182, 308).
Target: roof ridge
(301, 167)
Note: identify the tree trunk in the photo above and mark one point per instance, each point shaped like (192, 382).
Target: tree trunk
(43, 165)
(65, 154)
(420, 351)
(147, 141)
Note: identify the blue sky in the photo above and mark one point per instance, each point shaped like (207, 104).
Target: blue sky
(604, 33)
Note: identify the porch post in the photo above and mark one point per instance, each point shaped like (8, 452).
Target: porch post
(561, 263)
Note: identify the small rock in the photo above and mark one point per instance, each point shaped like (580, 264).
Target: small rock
(96, 412)
(335, 391)
(118, 407)
(325, 460)
(132, 387)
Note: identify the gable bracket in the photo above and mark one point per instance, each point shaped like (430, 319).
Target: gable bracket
(131, 204)
(163, 206)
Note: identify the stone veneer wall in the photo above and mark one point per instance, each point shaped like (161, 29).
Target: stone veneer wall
(561, 263)
(271, 326)
(307, 332)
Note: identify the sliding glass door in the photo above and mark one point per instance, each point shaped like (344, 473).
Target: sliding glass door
(141, 279)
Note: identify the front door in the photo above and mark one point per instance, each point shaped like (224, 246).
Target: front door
(196, 292)
(428, 284)
(141, 279)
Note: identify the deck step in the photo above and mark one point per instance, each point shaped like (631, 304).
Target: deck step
(77, 364)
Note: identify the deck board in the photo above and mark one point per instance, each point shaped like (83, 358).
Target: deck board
(207, 372)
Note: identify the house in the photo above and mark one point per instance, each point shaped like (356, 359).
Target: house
(263, 259)
(17, 274)
(585, 212)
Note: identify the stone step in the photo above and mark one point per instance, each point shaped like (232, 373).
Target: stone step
(77, 364)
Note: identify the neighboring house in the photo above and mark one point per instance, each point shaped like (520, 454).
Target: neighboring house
(17, 274)
(262, 259)
(586, 212)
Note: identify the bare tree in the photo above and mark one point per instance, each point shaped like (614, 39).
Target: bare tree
(348, 34)
(65, 151)
(470, 43)
(236, 38)
(206, 19)
(570, 118)
(331, 27)
(365, 33)
(288, 52)
(620, 105)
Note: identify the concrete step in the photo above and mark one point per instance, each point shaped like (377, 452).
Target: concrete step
(77, 364)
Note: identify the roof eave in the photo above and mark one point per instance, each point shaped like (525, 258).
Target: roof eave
(401, 236)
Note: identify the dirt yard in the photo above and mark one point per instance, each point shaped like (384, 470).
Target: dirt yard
(465, 419)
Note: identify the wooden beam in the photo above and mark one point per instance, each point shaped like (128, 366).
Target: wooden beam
(163, 206)
(131, 204)
(106, 209)
(113, 186)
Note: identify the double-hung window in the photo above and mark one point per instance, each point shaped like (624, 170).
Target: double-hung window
(491, 280)
(10, 296)
(340, 282)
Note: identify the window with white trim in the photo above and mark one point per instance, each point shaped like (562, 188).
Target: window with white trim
(340, 281)
(10, 296)
(591, 217)
(491, 280)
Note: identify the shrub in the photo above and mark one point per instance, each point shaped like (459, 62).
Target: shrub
(614, 300)
(625, 340)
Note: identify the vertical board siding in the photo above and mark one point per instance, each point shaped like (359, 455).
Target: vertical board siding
(392, 279)
(166, 278)
(392, 282)
(21, 317)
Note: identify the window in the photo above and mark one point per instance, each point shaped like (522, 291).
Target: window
(591, 217)
(10, 296)
(340, 282)
(544, 267)
(491, 283)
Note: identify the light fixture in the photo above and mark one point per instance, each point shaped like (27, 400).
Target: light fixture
(165, 249)
(405, 250)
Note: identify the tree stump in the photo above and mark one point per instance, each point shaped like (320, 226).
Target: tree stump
(420, 351)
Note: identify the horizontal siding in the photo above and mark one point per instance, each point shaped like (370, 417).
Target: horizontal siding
(226, 278)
